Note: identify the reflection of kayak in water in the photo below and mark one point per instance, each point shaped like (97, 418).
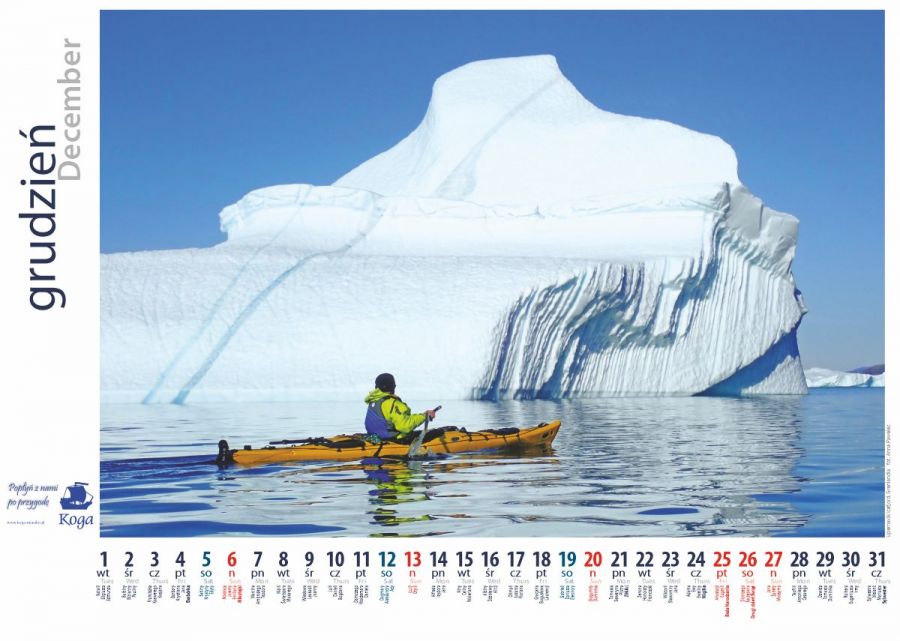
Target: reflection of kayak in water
(442, 440)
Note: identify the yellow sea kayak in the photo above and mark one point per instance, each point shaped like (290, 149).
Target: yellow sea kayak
(442, 440)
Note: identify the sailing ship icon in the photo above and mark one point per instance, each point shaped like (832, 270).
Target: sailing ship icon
(76, 497)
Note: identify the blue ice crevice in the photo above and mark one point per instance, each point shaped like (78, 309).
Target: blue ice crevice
(246, 311)
(608, 330)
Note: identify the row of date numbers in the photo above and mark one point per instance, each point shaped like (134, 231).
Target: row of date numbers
(543, 559)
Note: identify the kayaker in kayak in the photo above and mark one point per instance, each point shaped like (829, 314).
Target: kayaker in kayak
(388, 417)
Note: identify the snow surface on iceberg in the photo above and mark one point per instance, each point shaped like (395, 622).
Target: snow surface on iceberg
(516, 131)
(520, 243)
(821, 377)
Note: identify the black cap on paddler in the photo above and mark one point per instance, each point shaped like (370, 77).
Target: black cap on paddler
(385, 382)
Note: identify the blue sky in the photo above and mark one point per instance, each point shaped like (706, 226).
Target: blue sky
(198, 108)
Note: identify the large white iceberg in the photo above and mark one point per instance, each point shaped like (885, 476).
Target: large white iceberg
(519, 243)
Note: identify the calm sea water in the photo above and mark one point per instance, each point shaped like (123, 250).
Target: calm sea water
(774, 466)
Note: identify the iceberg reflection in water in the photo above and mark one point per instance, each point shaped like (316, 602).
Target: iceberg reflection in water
(779, 465)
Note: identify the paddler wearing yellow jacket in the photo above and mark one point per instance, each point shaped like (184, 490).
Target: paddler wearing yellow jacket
(388, 417)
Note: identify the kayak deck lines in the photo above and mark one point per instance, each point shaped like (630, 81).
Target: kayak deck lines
(348, 447)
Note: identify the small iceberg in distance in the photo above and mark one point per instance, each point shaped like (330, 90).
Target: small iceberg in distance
(821, 377)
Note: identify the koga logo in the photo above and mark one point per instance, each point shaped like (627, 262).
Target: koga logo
(76, 497)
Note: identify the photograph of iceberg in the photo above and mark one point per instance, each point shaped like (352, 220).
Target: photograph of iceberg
(515, 253)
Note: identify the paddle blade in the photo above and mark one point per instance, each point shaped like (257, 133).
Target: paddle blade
(415, 447)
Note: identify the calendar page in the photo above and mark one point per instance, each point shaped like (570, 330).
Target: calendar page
(518, 321)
